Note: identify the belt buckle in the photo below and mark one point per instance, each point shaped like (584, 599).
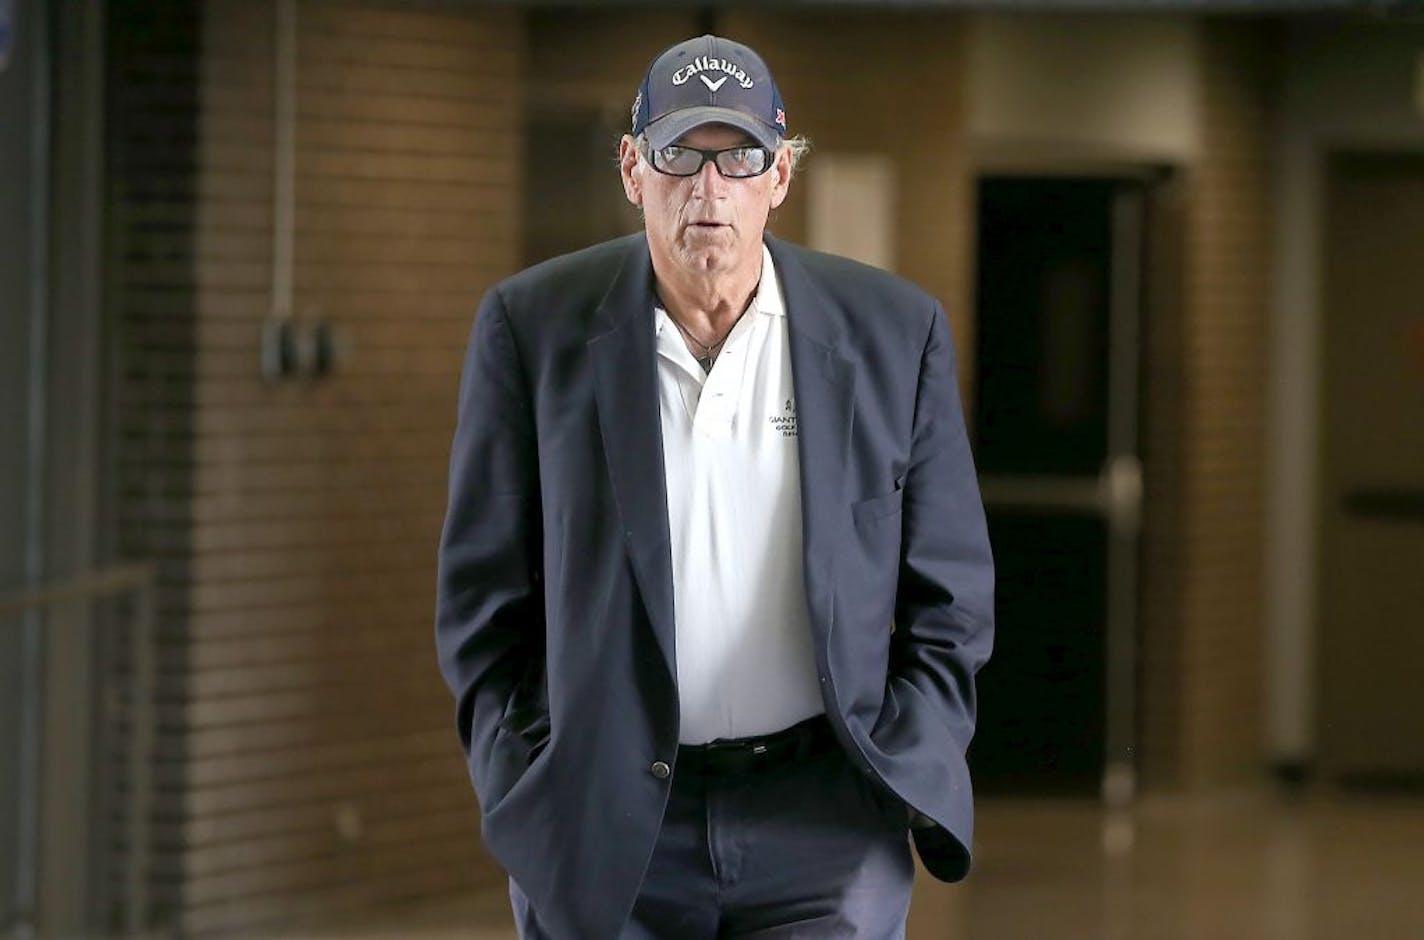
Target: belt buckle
(735, 756)
(752, 746)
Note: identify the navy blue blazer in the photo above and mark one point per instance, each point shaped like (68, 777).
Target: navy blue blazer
(554, 620)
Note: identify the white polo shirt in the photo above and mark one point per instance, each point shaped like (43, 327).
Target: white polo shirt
(745, 664)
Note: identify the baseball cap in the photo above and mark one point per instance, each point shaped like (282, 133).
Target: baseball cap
(708, 80)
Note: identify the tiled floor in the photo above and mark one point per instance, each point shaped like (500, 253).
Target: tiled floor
(1233, 867)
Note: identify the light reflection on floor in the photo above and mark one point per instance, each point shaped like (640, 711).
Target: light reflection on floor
(1238, 866)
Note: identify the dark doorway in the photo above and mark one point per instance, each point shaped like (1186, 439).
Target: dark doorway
(1055, 418)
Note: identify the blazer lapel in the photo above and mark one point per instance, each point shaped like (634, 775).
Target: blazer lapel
(626, 390)
(825, 389)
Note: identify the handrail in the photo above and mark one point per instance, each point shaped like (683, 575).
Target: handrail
(140, 580)
(116, 579)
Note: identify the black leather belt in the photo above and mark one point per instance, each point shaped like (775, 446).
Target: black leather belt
(732, 756)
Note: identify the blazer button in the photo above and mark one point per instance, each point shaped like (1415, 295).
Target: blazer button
(661, 770)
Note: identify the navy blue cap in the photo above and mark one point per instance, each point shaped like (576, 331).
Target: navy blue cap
(708, 80)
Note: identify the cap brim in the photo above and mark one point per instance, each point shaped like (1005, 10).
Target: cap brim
(668, 128)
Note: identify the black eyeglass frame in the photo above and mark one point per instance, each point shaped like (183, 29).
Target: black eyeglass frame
(710, 155)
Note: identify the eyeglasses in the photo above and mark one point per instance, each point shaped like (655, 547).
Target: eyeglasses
(734, 162)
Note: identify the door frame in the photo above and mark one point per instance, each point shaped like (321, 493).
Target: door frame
(62, 843)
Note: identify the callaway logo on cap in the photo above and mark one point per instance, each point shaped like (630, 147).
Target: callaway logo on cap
(708, 80)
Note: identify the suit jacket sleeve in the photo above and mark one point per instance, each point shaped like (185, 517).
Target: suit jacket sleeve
(944, 606)
(489, 605)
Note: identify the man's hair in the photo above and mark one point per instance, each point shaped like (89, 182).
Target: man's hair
(797, 144)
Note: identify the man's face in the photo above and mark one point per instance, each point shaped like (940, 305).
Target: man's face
(705, 224)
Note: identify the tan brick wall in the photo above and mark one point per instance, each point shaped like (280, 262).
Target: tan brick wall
(1204, 663)
(300, 519)
(594, 59)
(1163, 446)
(1228, 278)
(152, 126)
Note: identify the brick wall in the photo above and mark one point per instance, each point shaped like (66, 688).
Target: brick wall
(1203, 631)
(153, 179)
(310, 762)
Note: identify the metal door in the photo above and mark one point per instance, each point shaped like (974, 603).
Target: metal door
(1371, 577)
(1056, 416)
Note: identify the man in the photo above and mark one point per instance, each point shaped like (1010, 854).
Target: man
(714, 580)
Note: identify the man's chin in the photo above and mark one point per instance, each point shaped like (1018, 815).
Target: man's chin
(709, 258)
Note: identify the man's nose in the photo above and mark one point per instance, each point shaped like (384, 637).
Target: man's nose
(708, 182)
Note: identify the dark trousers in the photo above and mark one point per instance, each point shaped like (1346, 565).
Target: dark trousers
(809, 850)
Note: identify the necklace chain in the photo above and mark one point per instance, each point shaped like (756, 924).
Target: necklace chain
(706, 360)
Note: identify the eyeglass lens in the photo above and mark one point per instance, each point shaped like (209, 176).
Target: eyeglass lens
(733, 162)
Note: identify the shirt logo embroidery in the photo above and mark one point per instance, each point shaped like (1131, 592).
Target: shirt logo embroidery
(785, 422)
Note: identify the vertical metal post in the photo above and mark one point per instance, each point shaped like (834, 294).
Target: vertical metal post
(284, 157)
(1122, 492)
(32, 642)
(281, 353)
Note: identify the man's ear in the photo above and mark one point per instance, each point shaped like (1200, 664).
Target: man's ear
(628, 169)
(782, 169)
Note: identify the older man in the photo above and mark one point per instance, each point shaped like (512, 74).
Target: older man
(714, 580)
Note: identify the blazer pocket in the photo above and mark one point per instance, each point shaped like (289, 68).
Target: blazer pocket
(536, 747)
(531, 730)
(877, 507)
(529, 723)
